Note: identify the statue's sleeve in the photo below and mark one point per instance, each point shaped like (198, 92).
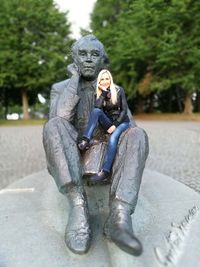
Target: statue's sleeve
(63, 99)
(53, 102)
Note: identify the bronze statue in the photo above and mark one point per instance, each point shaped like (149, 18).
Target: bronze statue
(72, 101)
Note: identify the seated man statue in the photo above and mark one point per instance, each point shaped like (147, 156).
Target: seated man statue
(71, 103)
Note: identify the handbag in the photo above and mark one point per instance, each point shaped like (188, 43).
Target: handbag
(93, 157)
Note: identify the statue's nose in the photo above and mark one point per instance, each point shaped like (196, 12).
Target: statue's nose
(89, 58)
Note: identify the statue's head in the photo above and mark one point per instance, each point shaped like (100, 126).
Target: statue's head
(89, 55)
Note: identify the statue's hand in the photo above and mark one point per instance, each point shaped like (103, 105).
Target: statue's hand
(73, 70)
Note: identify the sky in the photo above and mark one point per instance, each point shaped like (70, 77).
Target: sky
(79, 13)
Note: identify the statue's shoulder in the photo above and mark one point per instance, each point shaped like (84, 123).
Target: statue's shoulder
(60, 86)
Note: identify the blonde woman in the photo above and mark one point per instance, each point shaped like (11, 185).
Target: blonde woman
(110, 111)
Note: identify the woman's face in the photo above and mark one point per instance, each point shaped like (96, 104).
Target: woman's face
(105, 80)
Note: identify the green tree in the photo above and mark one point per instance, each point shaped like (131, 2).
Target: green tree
(153, 45)
(34, 44)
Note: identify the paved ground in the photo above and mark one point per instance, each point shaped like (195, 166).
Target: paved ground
(21, 152)
(174, 151)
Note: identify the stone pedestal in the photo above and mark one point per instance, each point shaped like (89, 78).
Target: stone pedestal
(34, 216)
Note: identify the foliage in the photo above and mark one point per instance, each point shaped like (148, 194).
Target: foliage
(34, 42)
(153, 45)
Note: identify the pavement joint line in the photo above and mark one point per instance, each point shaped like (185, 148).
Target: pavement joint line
(17, 190)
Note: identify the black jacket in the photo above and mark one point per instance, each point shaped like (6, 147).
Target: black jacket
(116, 112)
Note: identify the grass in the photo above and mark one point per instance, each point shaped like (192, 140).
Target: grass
(22, 122)
(168, 117)
(144, 116)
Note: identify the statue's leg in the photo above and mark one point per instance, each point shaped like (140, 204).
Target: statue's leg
(64, 164)
(128, 167)
(126, 179)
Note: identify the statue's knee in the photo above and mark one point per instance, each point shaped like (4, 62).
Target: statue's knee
(136, 137)
(137, 132)
(54, 124)
(49, 124)
(140, 139)
(54, 121)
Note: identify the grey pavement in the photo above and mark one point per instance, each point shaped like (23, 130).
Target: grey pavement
(174, 151)
(21, 152)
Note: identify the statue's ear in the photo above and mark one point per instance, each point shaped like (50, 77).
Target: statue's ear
(105, 62)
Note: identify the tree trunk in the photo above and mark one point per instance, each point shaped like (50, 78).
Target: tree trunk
(5, 103)
(140, 106)
(188, 103)
(180, 108)
(151, 104)
(169, 106)
(25, 105)
(198, 102)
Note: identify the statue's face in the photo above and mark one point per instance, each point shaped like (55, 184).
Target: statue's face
(89, 59)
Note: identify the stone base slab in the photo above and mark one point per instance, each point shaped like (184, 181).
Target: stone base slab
(33, 217)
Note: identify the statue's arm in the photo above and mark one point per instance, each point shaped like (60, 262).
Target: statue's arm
(54, 96)
(64, 99)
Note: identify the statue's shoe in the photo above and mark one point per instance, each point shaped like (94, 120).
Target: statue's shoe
(118, 229)
(126, 241)
(78, 231)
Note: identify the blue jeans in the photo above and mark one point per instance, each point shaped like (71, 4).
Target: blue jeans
(98, 116)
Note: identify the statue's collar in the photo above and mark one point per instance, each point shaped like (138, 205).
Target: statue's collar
(88, 84)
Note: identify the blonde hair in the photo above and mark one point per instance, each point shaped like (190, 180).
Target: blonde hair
(113, 89)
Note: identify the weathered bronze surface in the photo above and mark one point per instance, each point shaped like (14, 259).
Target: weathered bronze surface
(71, 103)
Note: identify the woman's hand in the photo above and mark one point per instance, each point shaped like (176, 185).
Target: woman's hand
(102, 88)
(111, 129)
